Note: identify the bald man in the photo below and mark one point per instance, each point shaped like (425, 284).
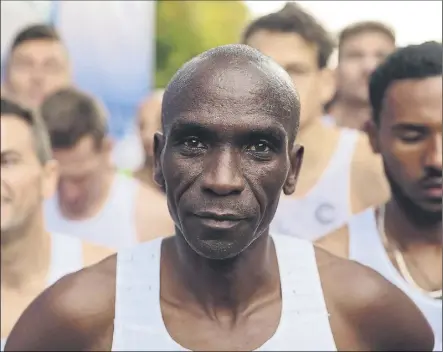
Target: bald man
(230, 118)
(149, 122)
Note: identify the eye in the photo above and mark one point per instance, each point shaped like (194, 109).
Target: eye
(9, 161)
(411, 136)
(193, 143)
(260, 147)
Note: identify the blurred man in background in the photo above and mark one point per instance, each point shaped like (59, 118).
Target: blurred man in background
(37, 65)
(31, 257)
(362, 46)
(403, 239)
(149, 122)
(340, 173)
(93, 200)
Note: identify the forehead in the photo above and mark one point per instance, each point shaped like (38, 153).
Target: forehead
(78, 154)
(367, 42)
(285, 48)
(40, 49)
(416, 101)
(16, 135)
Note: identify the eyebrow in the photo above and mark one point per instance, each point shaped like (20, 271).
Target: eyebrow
(409, 126)
(274, 131)
(6, 153)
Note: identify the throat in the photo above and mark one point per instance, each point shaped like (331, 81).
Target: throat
(225, 290)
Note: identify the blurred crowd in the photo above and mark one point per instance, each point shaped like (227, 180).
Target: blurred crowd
(371, 129)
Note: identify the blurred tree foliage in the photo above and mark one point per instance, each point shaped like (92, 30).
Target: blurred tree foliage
(187, 28)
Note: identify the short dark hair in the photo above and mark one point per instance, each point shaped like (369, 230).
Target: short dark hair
(71, 115)
(38, 128)
(411, 62)
(365, 27)
(35, 32)
(293, 19)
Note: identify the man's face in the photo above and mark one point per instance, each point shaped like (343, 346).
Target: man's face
(24, 181)
(224, 165)
(410, 140)
(359, 55)
(149, 121)
(37, 69)
(300, 59)
(81, 173)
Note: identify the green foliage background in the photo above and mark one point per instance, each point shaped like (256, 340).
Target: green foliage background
(187, 28)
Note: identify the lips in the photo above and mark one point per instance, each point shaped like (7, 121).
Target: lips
(218, 220)
(433, 187)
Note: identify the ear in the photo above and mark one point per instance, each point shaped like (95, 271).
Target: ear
(327, 85)
(371, 130)
(159, 144)
(50, 178)
(296, 160)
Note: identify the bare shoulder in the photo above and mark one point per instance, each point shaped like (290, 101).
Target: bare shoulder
(379, 314)
(368, 181)
(336, 242)
(70, 314)
(152, 214)
(93, 253)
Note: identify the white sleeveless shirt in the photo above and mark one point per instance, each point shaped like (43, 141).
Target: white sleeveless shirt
(366, 247)
(327, 206)
(114, 225)
(66, 257)
(138, 324)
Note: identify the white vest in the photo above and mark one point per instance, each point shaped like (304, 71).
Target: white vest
(66, 257)
(366, 247)
(114, 225)
(327, 206)
(139, 326)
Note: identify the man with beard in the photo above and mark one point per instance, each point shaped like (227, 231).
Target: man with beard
(361, 48)
(230, 117)
(403, 238)
(31, 257)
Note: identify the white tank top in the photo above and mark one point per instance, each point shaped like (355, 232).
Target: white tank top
(139, 326)
(327, 206)
(366, 247)
(114, 225)
(66, 257)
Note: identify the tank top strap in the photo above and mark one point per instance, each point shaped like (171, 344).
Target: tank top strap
(363, 234)
(138, 316)
(66, 256)
(304, 322)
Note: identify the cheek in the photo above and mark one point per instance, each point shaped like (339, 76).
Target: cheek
(22, 184)
(404, 161)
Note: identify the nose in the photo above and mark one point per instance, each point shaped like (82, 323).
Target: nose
(223, 174)
(369, 64)
(433, 158)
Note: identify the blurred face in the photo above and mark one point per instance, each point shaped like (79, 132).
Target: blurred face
(81, 173)
(24, 181)
(359, 55)
(149, 120)
(37, 69)
(300, 59)
(224, 166)
(410, 140)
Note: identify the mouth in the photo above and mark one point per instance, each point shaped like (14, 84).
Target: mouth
(433, 188)
(219, 220)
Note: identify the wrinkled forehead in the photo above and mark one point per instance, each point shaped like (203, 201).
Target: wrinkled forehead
(233, 98)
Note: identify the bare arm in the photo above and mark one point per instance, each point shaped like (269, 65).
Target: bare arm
(71, 315)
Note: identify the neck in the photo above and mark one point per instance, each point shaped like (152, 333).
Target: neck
(228, 288)
(309, 136)
(348, 114)
(25, 252)
(407, 232)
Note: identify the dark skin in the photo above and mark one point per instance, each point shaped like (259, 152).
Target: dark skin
(220, 283)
